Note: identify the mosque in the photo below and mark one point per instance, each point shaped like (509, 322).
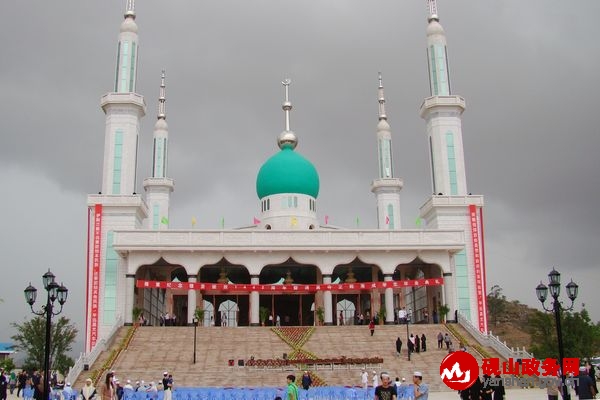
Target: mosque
(287, 267)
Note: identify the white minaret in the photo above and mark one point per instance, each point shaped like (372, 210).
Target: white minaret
(123, 108)
(117, 207)
(386, 188)
(158, 187)
(443, 111)
(450, 206)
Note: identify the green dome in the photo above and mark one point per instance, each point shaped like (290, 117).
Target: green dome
(287, 172)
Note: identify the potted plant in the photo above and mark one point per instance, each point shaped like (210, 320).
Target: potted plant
(320, 315)
(264, 314)
(443, 310)
(199, 315)
(381, 315)
(136, 312)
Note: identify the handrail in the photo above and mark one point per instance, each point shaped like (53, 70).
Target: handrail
(489, 340)
(92, 356)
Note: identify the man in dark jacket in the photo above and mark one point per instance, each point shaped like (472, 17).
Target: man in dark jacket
(306, 380)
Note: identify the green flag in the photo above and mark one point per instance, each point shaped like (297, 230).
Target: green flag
(357, 221)
(222, 222)
(418, 222)
(164, 220)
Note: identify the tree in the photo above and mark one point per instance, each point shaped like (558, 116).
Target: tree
(444, 310)
(31, 339)
(581, 337)
(7, 364)
(496, 303)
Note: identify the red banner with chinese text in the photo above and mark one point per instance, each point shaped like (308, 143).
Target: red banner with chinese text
(477, 264)
(96, 254)
(289, 288)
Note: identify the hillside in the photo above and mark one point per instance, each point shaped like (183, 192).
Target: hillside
(511, 323)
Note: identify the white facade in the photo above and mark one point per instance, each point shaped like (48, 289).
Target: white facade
(130, 239)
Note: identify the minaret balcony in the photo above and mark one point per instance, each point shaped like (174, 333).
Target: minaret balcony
(436, 102)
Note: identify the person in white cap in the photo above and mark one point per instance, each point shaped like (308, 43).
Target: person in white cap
(386, 391)
(67, 392)
(364, 379)
(128, 385)
(167, 382)
(420, 389)
(584, 386)
(375, 379)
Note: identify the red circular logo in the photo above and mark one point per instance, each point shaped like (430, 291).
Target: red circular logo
(459, 370)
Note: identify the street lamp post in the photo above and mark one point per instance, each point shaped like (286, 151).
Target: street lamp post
(407, 340)
(55, 292)
(195, 322)
(542, 294)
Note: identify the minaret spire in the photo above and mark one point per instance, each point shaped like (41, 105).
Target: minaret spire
(386, 188)
(161, 98)
(382, 114)
(158, 186)
(287, 138)
(130, 9)
(432, 8)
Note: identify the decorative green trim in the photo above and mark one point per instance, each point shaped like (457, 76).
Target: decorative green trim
(462, 283)
(110, 282)
(132, 68)
(117, 161)
(451, 163)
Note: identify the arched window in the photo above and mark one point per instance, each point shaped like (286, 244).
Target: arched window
(346, 310)
(209, 313)
(229, 312)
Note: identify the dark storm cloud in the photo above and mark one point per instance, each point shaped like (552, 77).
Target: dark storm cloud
(526, 69)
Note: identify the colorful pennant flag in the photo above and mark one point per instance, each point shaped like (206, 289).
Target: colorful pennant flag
(418, 222)
(294, 221)
(256, 221)
(357, 221)
(164, 221)
(194, 221)
(387, 219)
(222, 222)
(327, 220)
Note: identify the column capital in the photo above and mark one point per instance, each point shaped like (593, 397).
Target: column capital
(388, 276)
(447, 274)
(129, 275)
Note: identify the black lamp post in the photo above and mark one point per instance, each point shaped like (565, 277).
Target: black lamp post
(195, 322)
(407, 339)
(542, 294)
(55, 292)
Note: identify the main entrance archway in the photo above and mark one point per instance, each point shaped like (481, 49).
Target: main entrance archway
(289, 309)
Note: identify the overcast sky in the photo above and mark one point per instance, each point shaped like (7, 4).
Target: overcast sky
(527, 69)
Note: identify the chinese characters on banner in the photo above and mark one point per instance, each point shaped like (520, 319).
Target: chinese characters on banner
(475, 234)
(97, 251)
(292, 288)
(529, 367)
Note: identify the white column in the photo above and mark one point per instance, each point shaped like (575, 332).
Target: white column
(254, 302)
(327, 301)
(129, 294)
(191, 310)
(450, 295)
(389, 302)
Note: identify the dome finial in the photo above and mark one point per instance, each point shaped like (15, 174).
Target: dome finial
(382, 114)
(162, 112)
(287, 105)
(432, 8)
(130, 9)
(287, 138)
